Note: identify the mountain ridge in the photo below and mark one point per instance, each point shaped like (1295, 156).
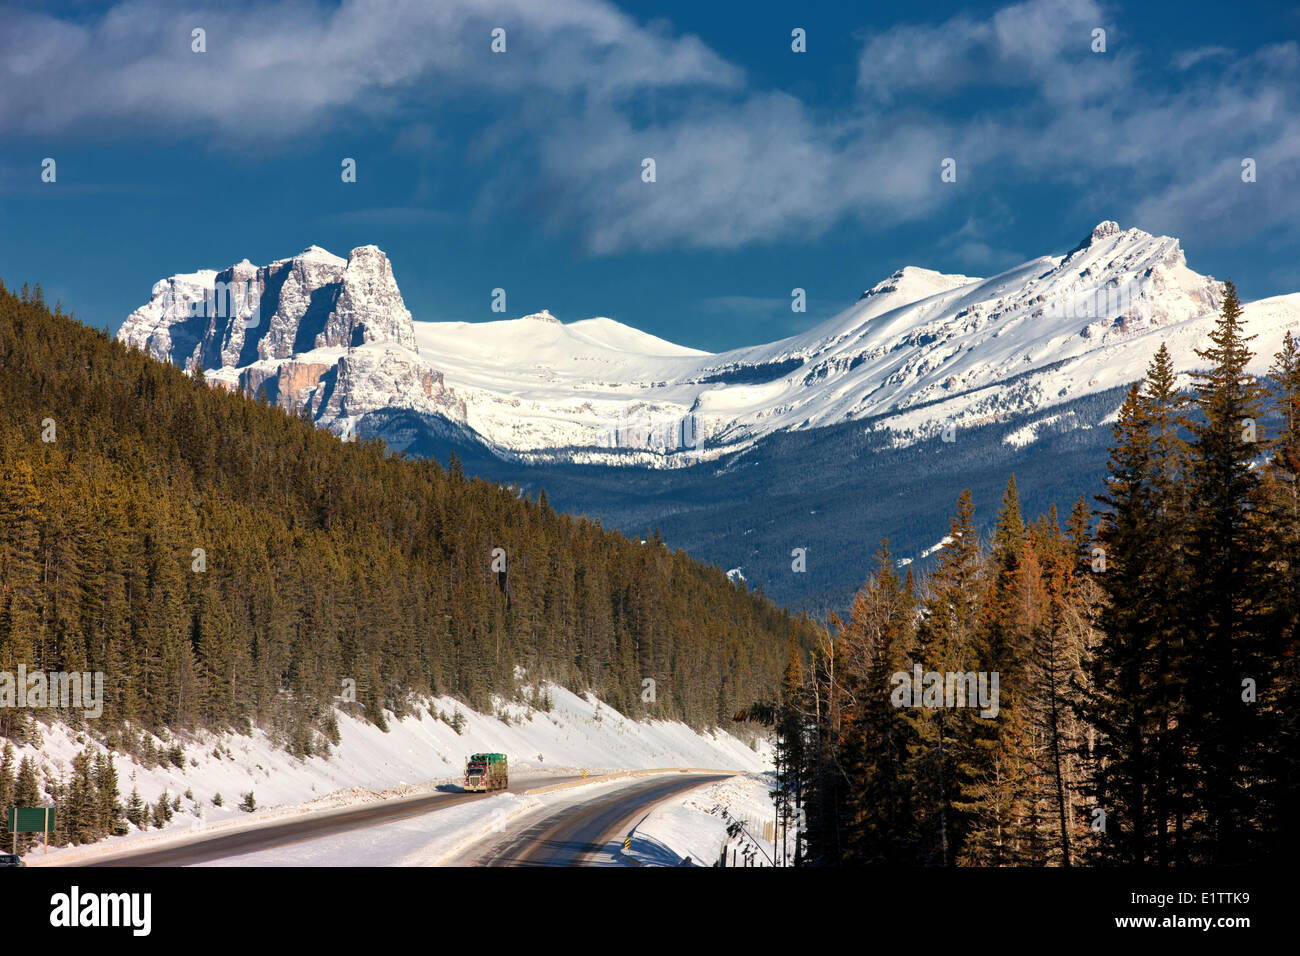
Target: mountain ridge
(917, 352)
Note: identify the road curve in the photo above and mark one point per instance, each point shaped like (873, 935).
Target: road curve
(303, 828)
(570, 836)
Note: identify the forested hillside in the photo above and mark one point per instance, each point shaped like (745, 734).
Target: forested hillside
(224, 563)
(1146, 658)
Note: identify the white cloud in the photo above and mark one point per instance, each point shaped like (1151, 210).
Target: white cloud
(283, 68)
(585, 92)
(1031, 44)
(1187, 59)
(733, 173)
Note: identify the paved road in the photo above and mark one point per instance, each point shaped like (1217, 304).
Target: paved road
(570, 836)
(310, 828)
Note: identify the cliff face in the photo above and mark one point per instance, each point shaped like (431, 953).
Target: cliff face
(247, 313)
(314, 331)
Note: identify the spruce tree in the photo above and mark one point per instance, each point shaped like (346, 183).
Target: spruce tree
(996, 794)
(1115, 705)
(1228, 637)
(136, 809)
(791, 742)
(944, 761)
(8, 782)
(1282, 495)
(27, 793)
(875, 644)
(1169, 575)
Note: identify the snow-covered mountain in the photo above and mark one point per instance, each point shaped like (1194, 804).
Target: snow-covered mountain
(917, 351)
(315, 330)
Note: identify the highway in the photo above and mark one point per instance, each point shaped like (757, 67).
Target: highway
(570, 836)
(309, 828)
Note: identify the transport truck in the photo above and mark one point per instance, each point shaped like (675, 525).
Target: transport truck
(484, 772)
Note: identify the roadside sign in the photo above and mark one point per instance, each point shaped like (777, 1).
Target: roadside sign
(30, 820)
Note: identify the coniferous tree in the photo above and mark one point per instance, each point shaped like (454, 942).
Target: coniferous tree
(108, 804)
(27, 793)
(1055, 679)
(135, 809)
(944, 761)
(996, 796)
(8, 783)
(1228, 637)
(1115, 705)
(79, 809)
(1281, 489)
(1170, 582)
(872, 750)
(791, 743)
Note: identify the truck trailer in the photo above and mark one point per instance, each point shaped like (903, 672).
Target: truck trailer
(485, 772)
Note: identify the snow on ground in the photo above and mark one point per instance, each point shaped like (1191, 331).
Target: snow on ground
(424, 840)
(415, 756)
(1028, 434)
(947, 539)
(693, 827)
(444, 837)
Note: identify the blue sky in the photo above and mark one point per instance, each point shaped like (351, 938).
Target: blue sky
(522, 170)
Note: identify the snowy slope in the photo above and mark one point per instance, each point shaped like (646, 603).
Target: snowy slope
(917, 350)
(417, 753)
(693, 827)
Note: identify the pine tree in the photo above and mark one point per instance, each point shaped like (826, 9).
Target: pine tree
(945, 761)
(1281, 490)
(8, 783)
(1115, 705)
(995, 796)
(108, 803)
(136, 812)
(162, 810)
(79, 810)
(872, 750)
(791, 744)
(1169, 575)
(27, 793)
(1055, 681)
(1080, 536)
(1227, 637)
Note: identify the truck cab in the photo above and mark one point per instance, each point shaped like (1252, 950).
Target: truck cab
(487, 771)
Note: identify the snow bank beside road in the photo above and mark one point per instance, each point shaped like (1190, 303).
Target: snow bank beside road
(417, 754)
(691, 826)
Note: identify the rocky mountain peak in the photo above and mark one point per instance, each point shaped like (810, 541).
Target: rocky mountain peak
(1104, 229)
(247, 313)
(368, 306)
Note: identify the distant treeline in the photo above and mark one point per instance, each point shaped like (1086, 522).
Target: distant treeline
(1148, 683)
(226, 564)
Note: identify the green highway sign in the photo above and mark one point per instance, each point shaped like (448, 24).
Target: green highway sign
(31, 819)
